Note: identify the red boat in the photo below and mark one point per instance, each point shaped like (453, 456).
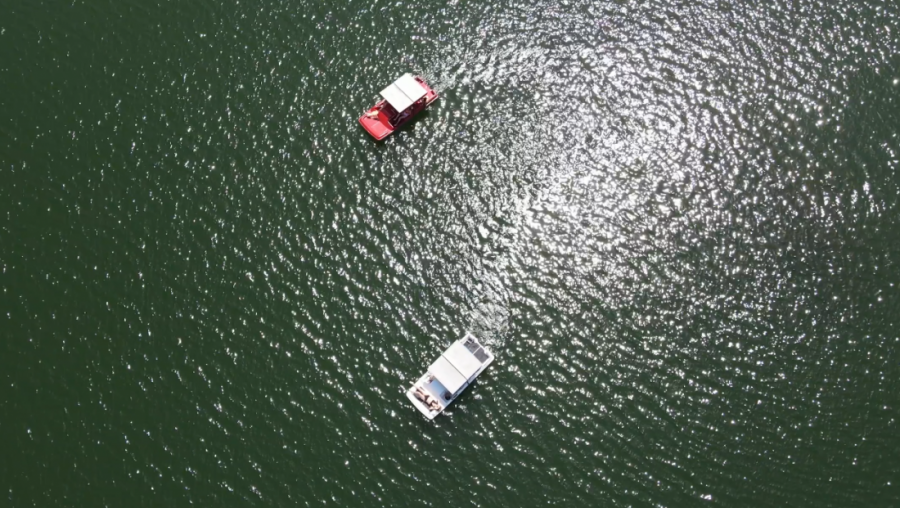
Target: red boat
(401, 101)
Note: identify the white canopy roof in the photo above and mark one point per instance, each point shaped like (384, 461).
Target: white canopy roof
(463, 360)
(455, 367)
(447, 375)
(403, 92)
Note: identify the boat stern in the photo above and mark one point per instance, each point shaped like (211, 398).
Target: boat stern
(418, 404)
(430, 94)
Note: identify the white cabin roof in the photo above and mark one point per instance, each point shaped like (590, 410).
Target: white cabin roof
(402, 93)
(463, 360)
(412, 88)
(446, 374)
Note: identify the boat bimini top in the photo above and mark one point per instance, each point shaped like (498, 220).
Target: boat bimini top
(402, 93)
(455, 368)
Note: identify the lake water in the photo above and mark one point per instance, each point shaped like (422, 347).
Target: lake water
(676, 224)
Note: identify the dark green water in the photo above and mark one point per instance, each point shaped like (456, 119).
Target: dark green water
(677, 224)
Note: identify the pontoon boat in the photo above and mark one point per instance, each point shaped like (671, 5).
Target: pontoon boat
(449, 375)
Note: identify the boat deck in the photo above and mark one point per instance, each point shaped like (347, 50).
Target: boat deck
(378, 127)
(432, 387)
(435, 389)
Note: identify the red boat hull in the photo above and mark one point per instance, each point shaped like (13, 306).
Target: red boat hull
(378, 124)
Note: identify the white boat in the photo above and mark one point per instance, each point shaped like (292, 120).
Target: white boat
(449, 375)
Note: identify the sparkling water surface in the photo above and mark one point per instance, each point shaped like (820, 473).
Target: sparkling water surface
(674, 223)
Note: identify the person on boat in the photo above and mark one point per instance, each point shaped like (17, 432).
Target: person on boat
(429, 401)
(421, 395)
(372, 114)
